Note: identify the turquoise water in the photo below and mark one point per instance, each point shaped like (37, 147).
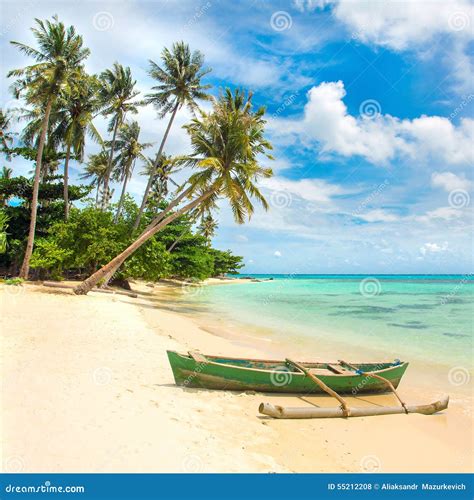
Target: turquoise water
(425, 318)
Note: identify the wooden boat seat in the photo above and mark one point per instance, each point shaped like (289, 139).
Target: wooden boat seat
(338, 369)
(329, 371)
(198, 357)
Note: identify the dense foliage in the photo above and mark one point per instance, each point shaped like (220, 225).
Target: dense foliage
(169, 234)
(91, 237)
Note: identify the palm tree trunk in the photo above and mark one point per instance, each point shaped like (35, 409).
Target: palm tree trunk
(122, 195)
(25, 267)
(152, 173)
(87, 285)
(97, 194)
(176, 241)
(66, 183)
(109, 166)
(156, 221)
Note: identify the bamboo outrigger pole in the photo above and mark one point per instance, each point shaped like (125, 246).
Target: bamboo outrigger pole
(276, 411)
(345, 408)
(374, 375)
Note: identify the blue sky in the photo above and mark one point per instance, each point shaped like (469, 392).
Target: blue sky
(370, 110)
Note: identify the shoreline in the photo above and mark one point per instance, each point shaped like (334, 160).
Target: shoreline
(93, 373)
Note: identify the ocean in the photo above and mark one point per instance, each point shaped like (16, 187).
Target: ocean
(424, 319)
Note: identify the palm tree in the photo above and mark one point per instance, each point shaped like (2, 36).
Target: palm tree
(227, 144)
(208, 227)
(77, 108)
(6, 173)
(160, 170)
(3, 231)
(6, 137)
(130, 149)
(95, 169)
(179, 85)
(58, 58)
(117, 93)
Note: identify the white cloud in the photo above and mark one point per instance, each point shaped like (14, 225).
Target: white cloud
(433, 248)
(313, 190)
(379, 138)
(449, 181)
(277, 253)
(379, 215)
(411, 25)
(402, 24)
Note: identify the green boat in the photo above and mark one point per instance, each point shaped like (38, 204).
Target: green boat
(240, 374)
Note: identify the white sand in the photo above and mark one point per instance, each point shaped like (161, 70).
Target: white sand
(86, 387)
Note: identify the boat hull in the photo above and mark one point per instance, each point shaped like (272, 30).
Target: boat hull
(254, 375)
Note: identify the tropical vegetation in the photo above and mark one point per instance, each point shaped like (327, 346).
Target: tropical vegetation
(50, 228)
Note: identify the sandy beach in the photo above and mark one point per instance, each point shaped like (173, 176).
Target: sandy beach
(86, 387)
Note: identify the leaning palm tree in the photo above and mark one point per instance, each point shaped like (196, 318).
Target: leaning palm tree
(116, 93)
(58, 59)
(95, 170)
(227, 143)
(73, 121)
(130, 149)
(179, 85)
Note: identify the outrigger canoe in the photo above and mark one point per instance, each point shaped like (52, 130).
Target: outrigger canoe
(240, 374)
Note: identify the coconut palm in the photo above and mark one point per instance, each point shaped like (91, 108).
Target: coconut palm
(6, 173)
(117, 92)
(208, 227)
(179, 84)
(6, 137)
(227, 143)
(58, 58)
(130, 149)
(161, 170)
(73, 121)
(3, 231)
(95, 169)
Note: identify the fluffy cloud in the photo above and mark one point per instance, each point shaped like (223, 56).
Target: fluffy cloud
(379, 138)
(410, 25)
(312, 190)
(402, 25)
(433, 248)
(449, 181)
